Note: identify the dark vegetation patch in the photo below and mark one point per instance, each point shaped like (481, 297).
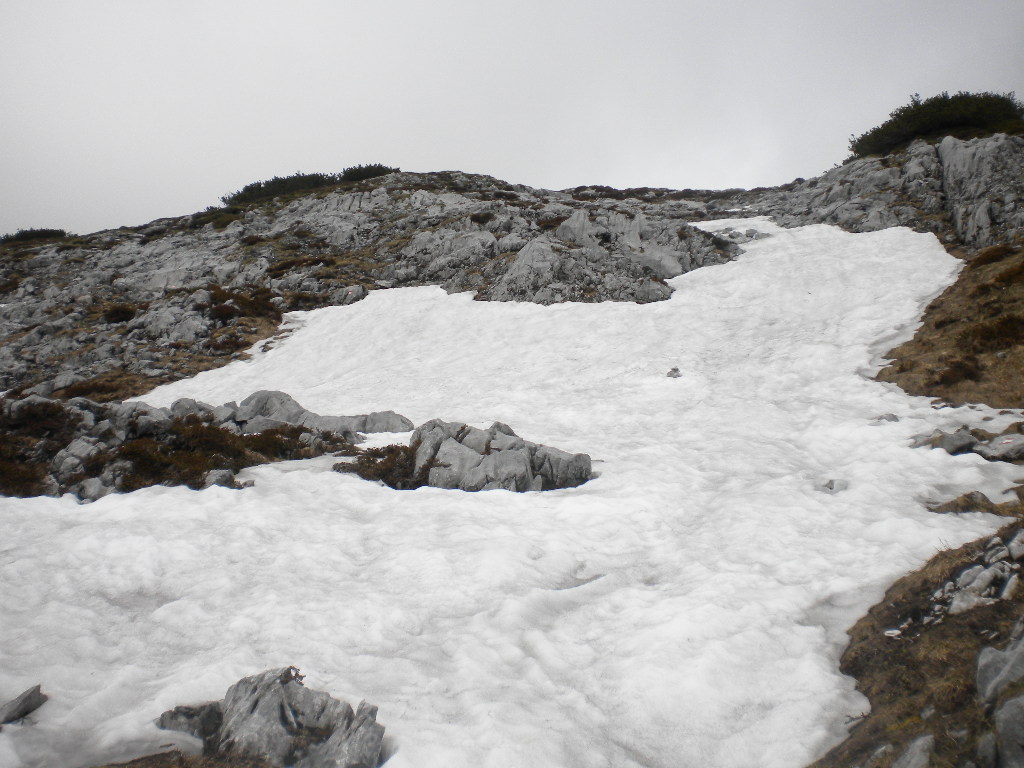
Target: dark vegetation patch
(551, 222)
(33, 432)
(970, 347)
(262, 191)
(393, 465)
(108, 386)
(176, 759)
(29, 439)
(218, 217)
(481, 217)
(964, 115)
(120, 312)
(923, 682)
(10, 283)
(255, 302)
(32, 235)
(191, 449)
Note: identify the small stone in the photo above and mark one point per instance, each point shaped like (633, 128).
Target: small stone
(673, 373)
(222, 477)
(1016, 546)
(24, 704)
(834, 486)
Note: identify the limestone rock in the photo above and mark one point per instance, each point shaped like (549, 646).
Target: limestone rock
(24, 704)
(1009, 719)
(274, 717)
(1002, 448)
(454, 455)
(918, 754)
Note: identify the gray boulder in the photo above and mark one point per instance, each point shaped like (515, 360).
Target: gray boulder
(918, 754)
(999, 669)
(1002, 448)
(24, 704)
(1010, 733)
(272, 716)
(454, 455)
(960, 441)
(267, 409)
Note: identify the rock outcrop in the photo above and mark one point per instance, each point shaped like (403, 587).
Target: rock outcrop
(91, 449)
(114, 313)
(967, 192)
(454, 455)
(272, 716)
(22, 705)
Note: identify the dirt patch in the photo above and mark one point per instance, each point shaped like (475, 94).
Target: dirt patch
(970, 347)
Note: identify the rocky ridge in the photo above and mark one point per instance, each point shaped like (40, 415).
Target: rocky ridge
(117, 312)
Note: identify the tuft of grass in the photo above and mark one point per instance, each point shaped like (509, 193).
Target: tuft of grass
(990, 255)
(551, 222)
(120, 313)
(106, 387)
(192, 448)
(392, 465)
(993, 335)
(177, 759)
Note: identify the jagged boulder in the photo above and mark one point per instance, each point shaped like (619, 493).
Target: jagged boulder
(454, 455)
(272, 716)
(22, 705)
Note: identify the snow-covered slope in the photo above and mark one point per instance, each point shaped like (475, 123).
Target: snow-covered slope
(684, 608)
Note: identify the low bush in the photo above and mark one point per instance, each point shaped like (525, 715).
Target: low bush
(26, 235)
(218, 217)
(965, 115)
(260, 191)
(393, 465)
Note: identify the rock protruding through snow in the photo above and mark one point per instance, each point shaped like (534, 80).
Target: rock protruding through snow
(455, 455)
(272, 716)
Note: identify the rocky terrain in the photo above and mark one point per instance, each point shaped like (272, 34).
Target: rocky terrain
(114, 313)
(88, 321)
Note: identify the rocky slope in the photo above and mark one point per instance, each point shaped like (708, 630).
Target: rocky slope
(114, 313)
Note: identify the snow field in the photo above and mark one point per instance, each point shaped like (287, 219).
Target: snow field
(685, 608)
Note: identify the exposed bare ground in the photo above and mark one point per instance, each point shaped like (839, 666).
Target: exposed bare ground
(970, 347)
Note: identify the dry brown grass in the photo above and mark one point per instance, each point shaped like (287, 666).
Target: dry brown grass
(925, 681)
(178, 759)
(970, 347)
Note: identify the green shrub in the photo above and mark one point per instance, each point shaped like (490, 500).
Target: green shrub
(965, 115)
(260, 191)
(219, 217)
(25, 235)
(361, 172)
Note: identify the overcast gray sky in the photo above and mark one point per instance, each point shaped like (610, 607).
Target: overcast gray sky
(117, 112)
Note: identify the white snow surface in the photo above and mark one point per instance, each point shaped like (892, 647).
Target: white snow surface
(686, 607)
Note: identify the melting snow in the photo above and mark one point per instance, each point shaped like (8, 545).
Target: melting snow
(685, 608)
